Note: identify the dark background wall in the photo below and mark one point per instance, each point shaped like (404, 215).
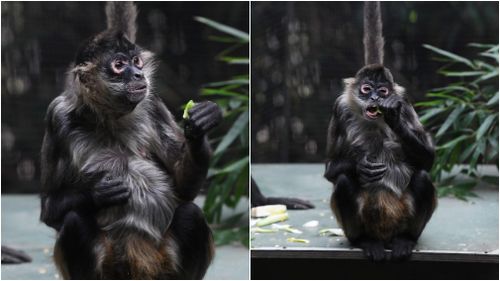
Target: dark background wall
(302, 50)
(39, 40)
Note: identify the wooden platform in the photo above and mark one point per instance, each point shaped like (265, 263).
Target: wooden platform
(460, 235)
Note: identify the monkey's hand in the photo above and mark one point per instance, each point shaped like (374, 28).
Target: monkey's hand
(203, 117)
(370, 171)
(110, 191)
(391, 108)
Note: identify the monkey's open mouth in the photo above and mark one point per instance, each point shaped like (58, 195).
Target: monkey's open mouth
(373, 112)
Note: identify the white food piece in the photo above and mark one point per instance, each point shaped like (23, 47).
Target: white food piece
(268, 210)
(313, 223)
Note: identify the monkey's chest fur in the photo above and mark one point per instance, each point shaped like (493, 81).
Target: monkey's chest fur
(126, 155)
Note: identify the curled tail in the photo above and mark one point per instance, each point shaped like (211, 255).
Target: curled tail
(373, 40)
(121, 16)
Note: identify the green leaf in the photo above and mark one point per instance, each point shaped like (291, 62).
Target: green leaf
(239, 125)
(467, 152)
(450, 55)
(237, 165)
(212, 92)
(487, 76)
(235, 60)
(234, 82)
(452, 142)
(243, 36)
(431, 113)
(485, 126)
(493, 100)
(462, 73)
(479, 45)
(450, 120)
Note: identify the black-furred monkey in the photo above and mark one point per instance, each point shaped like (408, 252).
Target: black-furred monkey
(118, 174)
(379, 156)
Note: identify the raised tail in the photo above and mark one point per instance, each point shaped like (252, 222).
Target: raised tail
(373, 40)
(121, 16)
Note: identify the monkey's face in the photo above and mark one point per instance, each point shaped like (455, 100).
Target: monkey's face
(374, 84)
(121, 70)
(125, 77)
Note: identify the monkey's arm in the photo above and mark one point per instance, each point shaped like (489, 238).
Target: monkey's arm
(338, 163)
(403, 120)
(187, 154)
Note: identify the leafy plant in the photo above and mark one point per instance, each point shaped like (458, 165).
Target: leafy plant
(464, 119)
(229, 168)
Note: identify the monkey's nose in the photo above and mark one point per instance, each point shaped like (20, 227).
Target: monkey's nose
(374, 97)
(138, 74)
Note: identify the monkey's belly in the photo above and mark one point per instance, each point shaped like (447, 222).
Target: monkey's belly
(151, 206)
(383, 214)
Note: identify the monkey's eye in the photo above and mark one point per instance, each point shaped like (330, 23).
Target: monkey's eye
(118, 66)
(383, 91)
(138, 62)
(365, 88)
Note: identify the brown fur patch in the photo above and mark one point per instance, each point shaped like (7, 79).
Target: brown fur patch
(135, 257)
(59, 261)
(385, 214)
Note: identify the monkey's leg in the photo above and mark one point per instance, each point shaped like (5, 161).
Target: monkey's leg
(424, 196)
(75, 243)
(194, 239)
(345, 205)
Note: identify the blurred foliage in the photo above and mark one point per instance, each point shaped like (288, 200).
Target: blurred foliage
(464, 119)
(229, 167)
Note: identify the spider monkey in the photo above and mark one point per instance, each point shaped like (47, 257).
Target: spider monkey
(118, 174)
(379, 156)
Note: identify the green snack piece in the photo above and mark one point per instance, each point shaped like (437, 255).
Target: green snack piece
(264, 230)
(188, 106)
(297, 240)
(272, 219)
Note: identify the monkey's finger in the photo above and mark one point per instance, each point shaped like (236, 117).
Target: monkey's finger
(119, 199)
(375, 165)
(108, 184)
(203, 116)
(210, 125)
(202, 109)
(371, 179)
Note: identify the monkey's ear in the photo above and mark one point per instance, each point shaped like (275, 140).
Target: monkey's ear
(121, 16)
(83, 72)
(400, 90)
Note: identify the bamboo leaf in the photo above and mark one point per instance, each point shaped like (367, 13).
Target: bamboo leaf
(431, 113)
(462, 73)
(450, 55)
(452, 142)
(243, 36)
(450, 120)
(233, 82)
(233, 133)
(485, 126)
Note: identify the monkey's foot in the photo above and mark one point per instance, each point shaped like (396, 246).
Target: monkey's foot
(374, 250)
(402, 248)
